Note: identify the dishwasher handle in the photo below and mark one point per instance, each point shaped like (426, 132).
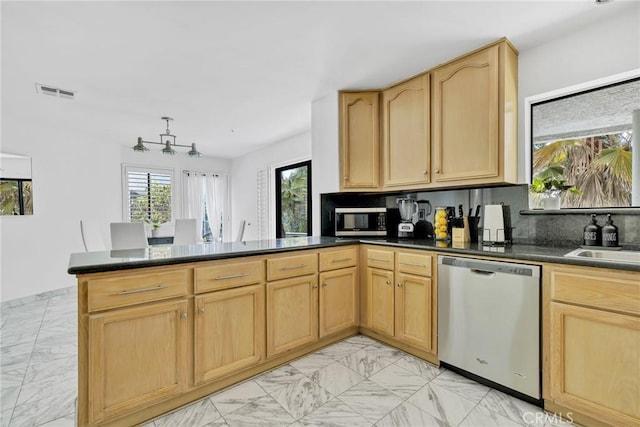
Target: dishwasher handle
(483, 272)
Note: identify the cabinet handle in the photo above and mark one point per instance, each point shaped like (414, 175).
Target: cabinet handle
(293, 267)
(414, 264)
(184, 315)
(201, 310)
(314, 287)
(437, 171)
(324, 285)
(341, 260)
(424, 172)
(378, 259)
(231, 276)
(137, 291)
(388, 282)
(399, 285)
(346, 178)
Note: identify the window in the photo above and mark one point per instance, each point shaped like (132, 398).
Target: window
(148, 195)
(584, 139)
(293, 200)
(16, 197)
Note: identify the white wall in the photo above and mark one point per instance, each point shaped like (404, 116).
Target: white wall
(244, 169)
(324, 151)
(587, 54)
(75, 176)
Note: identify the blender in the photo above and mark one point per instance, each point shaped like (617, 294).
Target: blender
(408, 208)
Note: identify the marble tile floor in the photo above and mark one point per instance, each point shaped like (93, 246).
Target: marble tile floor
(357, 382)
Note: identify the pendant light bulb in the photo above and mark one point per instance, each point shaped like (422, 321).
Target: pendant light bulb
(139, 146)
(167, 149)
(193, 152)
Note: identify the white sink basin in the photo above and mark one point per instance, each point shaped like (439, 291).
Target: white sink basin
(632, 257)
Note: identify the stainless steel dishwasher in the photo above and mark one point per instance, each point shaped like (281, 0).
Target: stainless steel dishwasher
(489, 321)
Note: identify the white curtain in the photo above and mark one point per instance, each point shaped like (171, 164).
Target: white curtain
(216, 197)
(195, 186)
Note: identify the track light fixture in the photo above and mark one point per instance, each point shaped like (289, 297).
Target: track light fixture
(169, 141)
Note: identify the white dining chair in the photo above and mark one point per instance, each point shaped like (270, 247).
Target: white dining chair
(92, 236)
(240, 236)
(186, 232)
(128, 235)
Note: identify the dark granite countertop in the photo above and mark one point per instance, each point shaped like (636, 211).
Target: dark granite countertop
(93, 262)
(523, 252)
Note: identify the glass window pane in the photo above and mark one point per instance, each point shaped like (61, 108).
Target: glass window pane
(9, 200)
(294, 192)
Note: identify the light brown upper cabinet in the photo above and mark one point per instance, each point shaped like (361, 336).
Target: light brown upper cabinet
(475, 118)
(454, 125)
(359, 140)
(405, 134)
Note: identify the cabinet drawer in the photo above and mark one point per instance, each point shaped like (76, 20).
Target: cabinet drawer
(338, 259)
(135, 288)
(414, 263)
(606, 289)
(379, 258)
(223, 275)
(292, 266)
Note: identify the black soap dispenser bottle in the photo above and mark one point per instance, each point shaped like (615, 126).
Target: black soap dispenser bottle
(609, 233)
(593, 233)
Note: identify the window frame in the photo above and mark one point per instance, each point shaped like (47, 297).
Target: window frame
(278, 201)
(126, 168)
(564, 92)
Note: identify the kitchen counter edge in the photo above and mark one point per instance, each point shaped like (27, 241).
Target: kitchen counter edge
(154, 256)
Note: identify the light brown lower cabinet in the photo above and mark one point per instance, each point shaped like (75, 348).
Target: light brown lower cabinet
(292, 314)
(399, 296)
(338, 304)
(137, 357)
(593, 340)
(229, 331)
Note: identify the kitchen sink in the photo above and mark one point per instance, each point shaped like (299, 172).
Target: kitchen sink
(632, 257)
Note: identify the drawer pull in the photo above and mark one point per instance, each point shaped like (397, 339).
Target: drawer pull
(137, 291)
(378, 259)
(341, 260)
(414, 264)
(201, 310)
(184, 315)
(293, 267)
(231, 276)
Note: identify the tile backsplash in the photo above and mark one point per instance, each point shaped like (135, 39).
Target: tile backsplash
(538, 228)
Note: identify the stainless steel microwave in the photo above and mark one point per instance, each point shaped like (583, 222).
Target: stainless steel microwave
(361, 221)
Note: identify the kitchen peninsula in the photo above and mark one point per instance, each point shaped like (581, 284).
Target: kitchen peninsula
(163, 326)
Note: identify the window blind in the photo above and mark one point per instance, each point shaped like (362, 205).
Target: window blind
(149, 196)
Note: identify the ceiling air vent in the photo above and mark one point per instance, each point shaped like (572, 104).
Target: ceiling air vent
(53, 91)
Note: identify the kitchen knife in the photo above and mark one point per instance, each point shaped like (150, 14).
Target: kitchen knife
(477, 211)
(460, 211)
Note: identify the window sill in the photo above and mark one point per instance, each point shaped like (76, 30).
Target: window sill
(583, 211)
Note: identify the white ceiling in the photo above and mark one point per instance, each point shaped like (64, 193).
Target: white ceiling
(238, 75)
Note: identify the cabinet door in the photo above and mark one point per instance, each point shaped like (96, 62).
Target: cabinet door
(380, 296)
(413, 310)
(137, 357)
(406, 134)
(229, 331)
(292, 314)
(594, 362)
(338, 300)
(359, 140)
(466, 118)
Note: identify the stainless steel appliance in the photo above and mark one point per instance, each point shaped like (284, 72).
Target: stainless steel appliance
(360, 221)
(489, 321)
(408, 208)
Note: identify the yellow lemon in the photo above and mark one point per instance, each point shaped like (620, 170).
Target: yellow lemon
(442, 235)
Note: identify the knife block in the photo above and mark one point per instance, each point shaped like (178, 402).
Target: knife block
(461, 234)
